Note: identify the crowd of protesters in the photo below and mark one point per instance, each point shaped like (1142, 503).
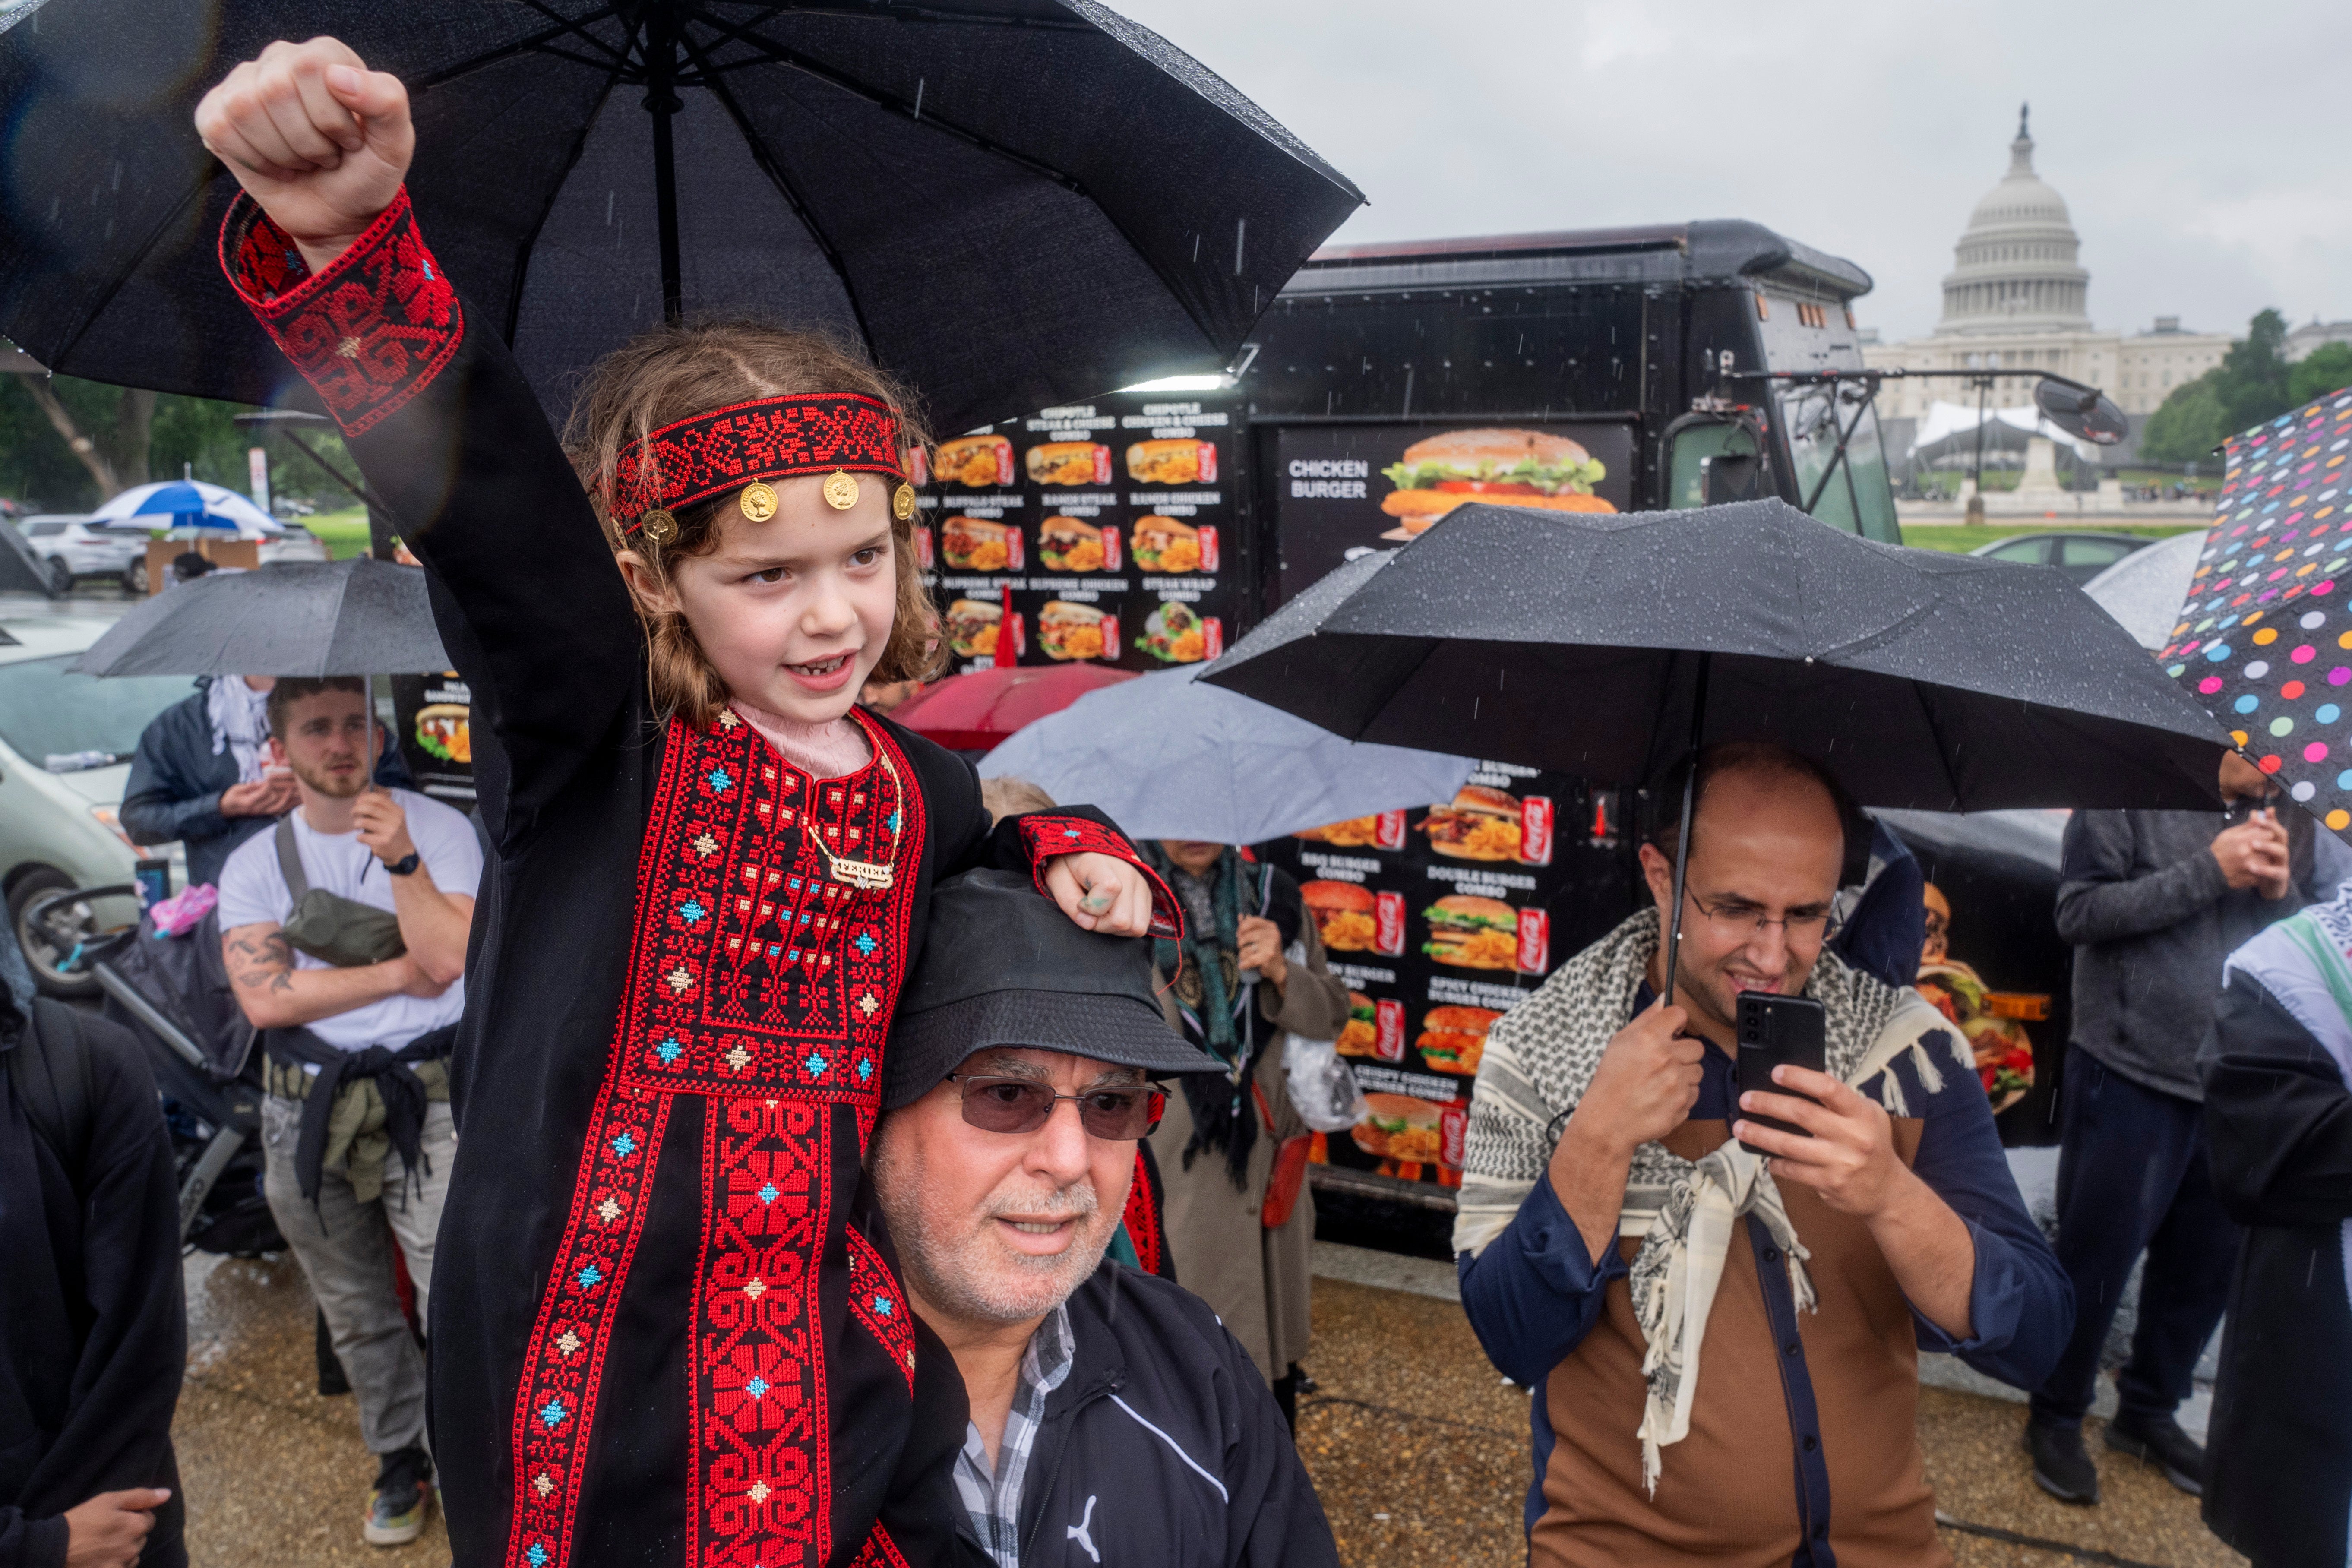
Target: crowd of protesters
(939, 1227)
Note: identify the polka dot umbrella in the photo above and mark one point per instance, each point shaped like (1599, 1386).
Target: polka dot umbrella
(2265, 636)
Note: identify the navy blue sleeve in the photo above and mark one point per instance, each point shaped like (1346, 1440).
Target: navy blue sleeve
(1534, 1293)
(2021, 1307)
(160, 801)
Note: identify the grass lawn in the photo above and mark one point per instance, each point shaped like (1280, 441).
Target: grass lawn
(344, 534)
(1960, 536)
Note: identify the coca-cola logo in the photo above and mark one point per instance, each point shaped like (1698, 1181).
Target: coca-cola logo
(1388, 924)
(1537, 817)
(1453, 1135)
(1535, 942)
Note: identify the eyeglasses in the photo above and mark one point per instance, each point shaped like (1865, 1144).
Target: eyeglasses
(1746, 921)
(1116, 1113)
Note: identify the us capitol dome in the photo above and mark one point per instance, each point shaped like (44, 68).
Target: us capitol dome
(2016, 260)
(2018, 296)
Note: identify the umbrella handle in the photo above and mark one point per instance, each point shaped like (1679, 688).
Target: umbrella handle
(1682, 833)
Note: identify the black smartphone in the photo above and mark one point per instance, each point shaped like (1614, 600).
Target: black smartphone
(1778, 1031)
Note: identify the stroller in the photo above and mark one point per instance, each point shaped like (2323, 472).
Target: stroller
(172, 993)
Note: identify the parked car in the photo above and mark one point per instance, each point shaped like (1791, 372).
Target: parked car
(2081, 556)
(73, 551)
(297, 543)
(58, 829)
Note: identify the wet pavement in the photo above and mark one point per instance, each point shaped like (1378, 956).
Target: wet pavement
(1416, 1445)
(275, 1477)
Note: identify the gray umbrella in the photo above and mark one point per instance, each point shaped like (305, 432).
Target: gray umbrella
(295, 617)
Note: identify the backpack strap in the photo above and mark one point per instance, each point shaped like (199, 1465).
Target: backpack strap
(289, 860)
(51, 1074)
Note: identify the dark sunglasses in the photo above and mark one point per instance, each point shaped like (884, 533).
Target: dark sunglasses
(1116, 1112)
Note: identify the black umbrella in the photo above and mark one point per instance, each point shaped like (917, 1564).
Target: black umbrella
(1011, 202)
(1608, 646)
(295, 617)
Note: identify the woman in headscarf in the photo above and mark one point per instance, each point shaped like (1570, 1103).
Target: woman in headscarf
(1250, 968)
(2277, 1072)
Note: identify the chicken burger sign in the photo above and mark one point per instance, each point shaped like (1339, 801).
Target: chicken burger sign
(1345, 488)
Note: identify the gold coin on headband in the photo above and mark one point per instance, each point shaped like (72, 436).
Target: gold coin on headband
(659, 526)
(758, 501)
(902, 503)
(840, 491)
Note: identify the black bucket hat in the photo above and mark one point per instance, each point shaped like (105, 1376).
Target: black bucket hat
(1003, 965)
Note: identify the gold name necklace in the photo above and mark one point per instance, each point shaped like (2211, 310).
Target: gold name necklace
(867, 875)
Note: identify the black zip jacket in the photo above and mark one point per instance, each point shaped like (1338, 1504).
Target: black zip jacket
(1164, 1448)
(94, 1335)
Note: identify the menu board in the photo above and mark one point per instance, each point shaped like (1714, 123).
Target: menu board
(434, 716)
(1100, 531)
(1341, 490)
(1439, 920)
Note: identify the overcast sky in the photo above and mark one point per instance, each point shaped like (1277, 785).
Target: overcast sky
(2196, 145)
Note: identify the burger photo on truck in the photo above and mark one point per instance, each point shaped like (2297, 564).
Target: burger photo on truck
(1067, 544)
(1472, 933)
(1069, 631)
(976, 462)
(971, 628)
(1453, 1038)
(1164, 544)
(1342, 913)
(1479, 824)
(975, 544)
(1506, 468)
(1068, 463)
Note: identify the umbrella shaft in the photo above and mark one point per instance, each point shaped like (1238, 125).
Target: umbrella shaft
(662, 103)
(1682, 833)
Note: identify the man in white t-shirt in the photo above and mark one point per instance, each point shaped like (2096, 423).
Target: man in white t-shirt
(356, 1128)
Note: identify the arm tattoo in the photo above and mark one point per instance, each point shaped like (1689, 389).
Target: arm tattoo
(261, 963)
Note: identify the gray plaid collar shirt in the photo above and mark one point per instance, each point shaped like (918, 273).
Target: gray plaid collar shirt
(993, 1499)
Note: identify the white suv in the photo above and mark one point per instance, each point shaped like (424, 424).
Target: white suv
(74, 552)
(59, 829)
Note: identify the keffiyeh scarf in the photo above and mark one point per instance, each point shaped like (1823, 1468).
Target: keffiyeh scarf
(1213, 1002)
(241, 723)
(1541, 1058)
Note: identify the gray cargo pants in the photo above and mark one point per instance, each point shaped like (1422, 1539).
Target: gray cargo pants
(343, 1246)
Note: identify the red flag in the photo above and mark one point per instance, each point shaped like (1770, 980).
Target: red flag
(1008, 634)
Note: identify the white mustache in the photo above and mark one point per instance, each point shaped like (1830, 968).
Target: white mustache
(1076, 1201)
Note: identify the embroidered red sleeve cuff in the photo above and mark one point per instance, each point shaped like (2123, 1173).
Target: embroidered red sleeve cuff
(371, 331)
(1048, 833)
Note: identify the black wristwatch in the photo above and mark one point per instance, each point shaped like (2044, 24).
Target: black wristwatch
(403, 866)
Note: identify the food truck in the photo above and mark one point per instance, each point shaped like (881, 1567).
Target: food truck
(1613, 370)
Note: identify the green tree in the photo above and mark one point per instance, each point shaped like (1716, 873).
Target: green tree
(66, 445)
(2252, 385)
(2254, 375)
(2328, 369)
(2191, 422)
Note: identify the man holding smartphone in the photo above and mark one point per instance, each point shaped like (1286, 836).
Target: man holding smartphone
(2154, 902)
(1613, 1231)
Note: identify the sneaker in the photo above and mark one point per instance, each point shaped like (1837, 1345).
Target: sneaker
(2060, 1468)
(2160, 1441)
(395, 1513)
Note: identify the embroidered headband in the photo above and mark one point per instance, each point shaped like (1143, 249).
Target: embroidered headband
(835, 432)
